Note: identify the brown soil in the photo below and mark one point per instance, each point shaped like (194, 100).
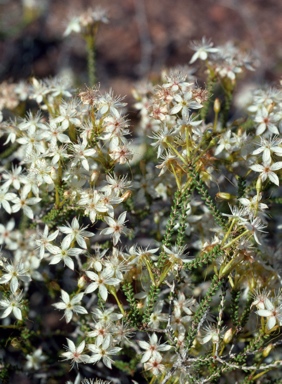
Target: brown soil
(142, 37)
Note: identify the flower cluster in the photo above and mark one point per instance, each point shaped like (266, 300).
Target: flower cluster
(160, 266)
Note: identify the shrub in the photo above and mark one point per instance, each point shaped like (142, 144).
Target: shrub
(160, 252)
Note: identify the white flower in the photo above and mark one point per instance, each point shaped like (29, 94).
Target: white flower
(266, 147)
(81, 153)
(175, 254)
(267, 171)
(254, 226)
(162, 136)
(116, 126)
(42, 172)
(70, 305)
(73, 26)
(118, 264)
(92, 204)
(184, 103)
(169, 162)
(75, 353)
(202, 50)
(259, 298)
(153, 348)
(14, 177)
(35, 359)
(265, 122)
(116, 184)
(32, 143)
(64, 253)
(5, 197)
(68, 114)
(211, 332)
(108, 316)
(236, 212)
(23, 203)
(7, 234)
(31, 123)
(101, 281)
(108, 103)
(157, 316)
(182, 304)
(73, 232)
(101, 331)
(273, 314)
(54, 133)
(229, 69)
(103, 351)
(252, 206)
(14, 272)
(12, 305)
(225, 142)
(121, 154)
(45, 241)
(154, 365)
(116, 227)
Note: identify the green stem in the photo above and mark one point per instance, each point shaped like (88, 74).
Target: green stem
(228, 232)
(215, 122)
(202, 308)
(90, 46)
(113, 292)
(177, 153)
(236, 238)
(150, 271)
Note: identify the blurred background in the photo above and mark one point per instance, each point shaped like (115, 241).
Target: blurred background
(142, 37)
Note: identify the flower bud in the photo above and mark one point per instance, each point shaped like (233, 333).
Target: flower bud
(228, 336)
(225, 196)
(94, 176)
(267, 350)
(270, 108)
(258, 185)
(216, 106)
(16, 343)
(53, 173)
(140, 305)
(67, 194)
(81, 282)
(126, 195)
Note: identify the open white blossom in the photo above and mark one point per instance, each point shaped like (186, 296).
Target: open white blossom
(14, 273)
(103, 351)
(12, 305)
(44, 243)
(101, 280)
(6, 197)
(65, 254)
(75, 354)
(74, 232)
(70, 305)
(35, 359)
(153, 348)
(272, 313)
(202, 50)
(23, 202)
(267, 171)
(116, 227)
